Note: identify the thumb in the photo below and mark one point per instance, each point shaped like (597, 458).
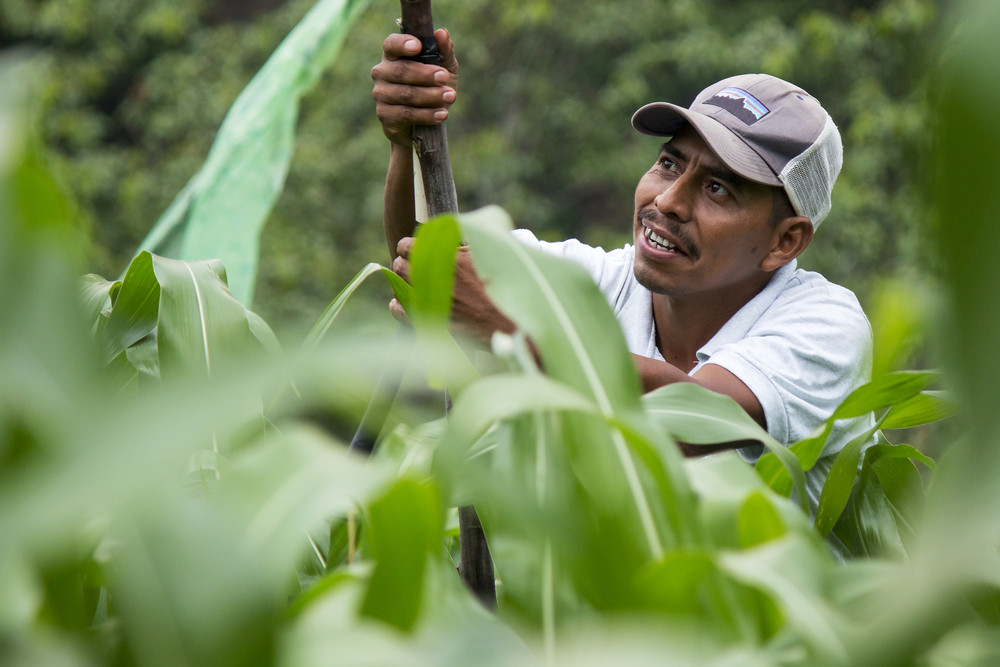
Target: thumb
(447, 49)
(398, 312)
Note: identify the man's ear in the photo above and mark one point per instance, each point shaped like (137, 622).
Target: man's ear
(791, 237)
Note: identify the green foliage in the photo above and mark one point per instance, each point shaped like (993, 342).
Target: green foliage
(158, 508)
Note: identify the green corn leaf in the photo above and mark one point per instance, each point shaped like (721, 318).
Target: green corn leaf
(839, 483)
(903, 489)
(406, 526)
(807, 451)
(432, 272)
(144, 357)
(873, 524)
(494, 399)
(263, 333)
(135, 310)
(884, 391)
(878, 394)
(331, 312)
(759, 521)
(724, 484)
(924, 408)
(693, 414)
(877, 452)
(432, 275)
(790, 571)
(559, 308)
(293, 482)
(570, 323)
(200, 324)
(676, 583)
(221, 212)
(887, 502)
(95, 294)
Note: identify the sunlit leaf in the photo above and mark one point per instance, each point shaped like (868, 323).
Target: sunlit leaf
(885, 391)
(759, 522)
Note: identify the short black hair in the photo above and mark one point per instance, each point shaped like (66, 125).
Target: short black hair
(781, 206)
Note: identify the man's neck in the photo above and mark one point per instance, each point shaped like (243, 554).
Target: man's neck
(685, 324)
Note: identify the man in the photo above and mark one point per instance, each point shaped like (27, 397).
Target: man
(709, 293)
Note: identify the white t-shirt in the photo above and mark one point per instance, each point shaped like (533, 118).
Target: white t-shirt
(801, 345)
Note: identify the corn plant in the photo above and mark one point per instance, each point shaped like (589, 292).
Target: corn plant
(166, 496)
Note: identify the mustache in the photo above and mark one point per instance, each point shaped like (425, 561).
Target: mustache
(672, 227)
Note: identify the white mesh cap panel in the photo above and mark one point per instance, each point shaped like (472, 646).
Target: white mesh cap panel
(809, 177)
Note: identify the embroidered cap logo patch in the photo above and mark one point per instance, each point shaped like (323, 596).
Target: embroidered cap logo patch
(740, 103)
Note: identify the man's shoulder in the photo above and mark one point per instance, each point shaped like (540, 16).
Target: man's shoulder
(811, 286)
(808, 296)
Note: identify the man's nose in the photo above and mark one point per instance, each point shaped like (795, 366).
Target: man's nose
(677, 199)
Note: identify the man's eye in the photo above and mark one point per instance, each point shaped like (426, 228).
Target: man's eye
(669, 164)
(718, 189)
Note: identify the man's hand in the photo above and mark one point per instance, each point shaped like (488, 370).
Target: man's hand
(473, 313)
(409, 93)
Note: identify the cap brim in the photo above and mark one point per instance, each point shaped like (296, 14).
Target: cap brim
(662, 119)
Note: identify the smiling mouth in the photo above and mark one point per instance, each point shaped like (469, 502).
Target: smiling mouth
(659, 242)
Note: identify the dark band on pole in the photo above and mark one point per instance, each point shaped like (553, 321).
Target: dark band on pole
(430, 142)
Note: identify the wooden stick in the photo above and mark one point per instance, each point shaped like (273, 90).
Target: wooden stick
(430, 143)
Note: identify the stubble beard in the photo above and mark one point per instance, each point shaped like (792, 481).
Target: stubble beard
(646, 273)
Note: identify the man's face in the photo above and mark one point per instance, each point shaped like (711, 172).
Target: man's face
(699, 229)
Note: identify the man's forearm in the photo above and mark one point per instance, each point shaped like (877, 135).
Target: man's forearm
(399, 213)
(655, 374)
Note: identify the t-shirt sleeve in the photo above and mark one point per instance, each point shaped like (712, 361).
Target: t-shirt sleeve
(810, 351)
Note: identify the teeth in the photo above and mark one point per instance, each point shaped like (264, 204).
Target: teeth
(659, 241)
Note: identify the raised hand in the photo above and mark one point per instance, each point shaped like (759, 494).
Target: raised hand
(409, 93)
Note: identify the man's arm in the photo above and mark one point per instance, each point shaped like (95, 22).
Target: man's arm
(398, 210)
(655, 374)
(409, 93)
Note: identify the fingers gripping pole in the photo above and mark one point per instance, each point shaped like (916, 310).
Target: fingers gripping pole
(430, 142)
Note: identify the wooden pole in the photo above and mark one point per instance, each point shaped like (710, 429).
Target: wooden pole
(430, 143)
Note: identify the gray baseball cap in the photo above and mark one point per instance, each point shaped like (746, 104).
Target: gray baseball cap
(764, 129)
